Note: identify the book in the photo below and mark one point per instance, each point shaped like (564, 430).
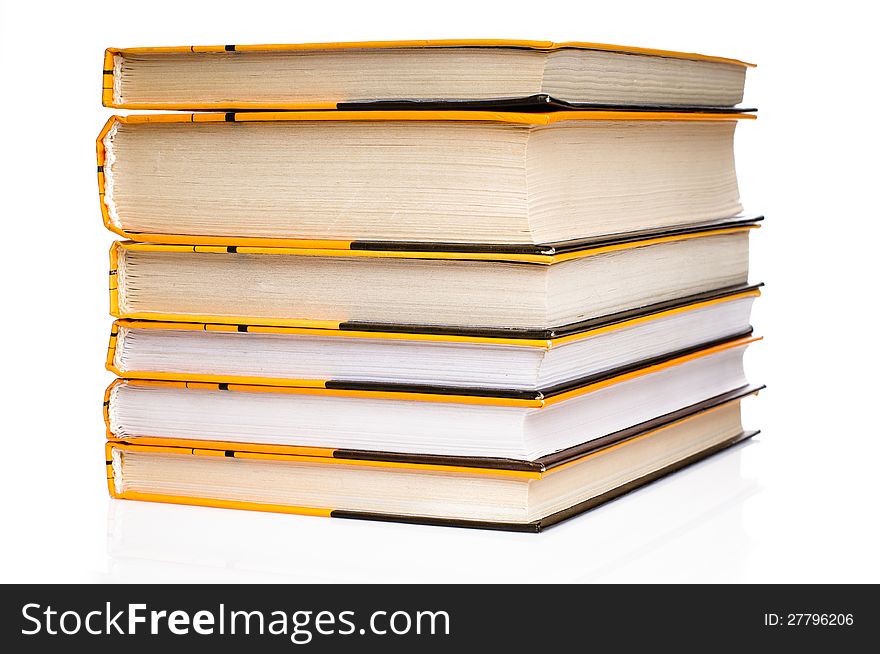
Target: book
(329, 178)
(292, 356)
(338, 75)
(702, 507)
(523, 425)
(457, 492)
(384, 289)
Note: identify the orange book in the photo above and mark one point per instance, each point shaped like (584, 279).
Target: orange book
(408, 180)
(477, 72)
(465, 292)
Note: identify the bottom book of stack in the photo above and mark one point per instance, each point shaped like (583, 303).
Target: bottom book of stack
(516, 461)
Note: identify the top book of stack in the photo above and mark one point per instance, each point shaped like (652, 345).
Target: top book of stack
(485, 74)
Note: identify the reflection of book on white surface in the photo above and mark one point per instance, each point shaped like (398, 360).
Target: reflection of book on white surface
(677, 532)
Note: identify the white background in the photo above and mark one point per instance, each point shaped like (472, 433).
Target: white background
(799, 504)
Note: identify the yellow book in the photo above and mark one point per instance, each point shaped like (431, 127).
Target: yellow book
(485, 72)
(461, 180)
(463, 292)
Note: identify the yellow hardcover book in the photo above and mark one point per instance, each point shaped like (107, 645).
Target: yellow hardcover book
(459, 180)
(538, 295)
(458, 491)
(487, 72)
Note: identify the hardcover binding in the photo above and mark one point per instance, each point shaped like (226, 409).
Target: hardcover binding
(107, 96)
(523, 251)
(532, 527)
(593, 250)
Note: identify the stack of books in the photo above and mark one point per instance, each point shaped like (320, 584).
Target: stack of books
(471, 283)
